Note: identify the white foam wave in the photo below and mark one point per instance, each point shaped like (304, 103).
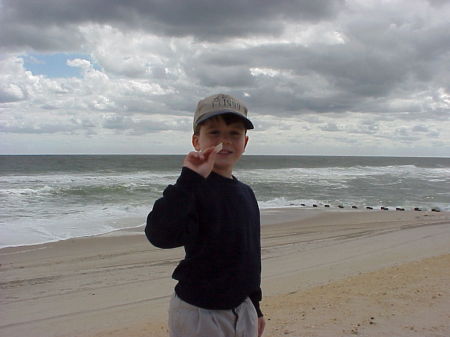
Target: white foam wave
(88, 222)
(50, 207)
(347, 172)
(28, 191)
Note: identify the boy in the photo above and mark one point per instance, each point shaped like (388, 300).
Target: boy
(216, 218)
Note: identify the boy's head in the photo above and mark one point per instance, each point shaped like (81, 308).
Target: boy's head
(221, 105)
(221, 119)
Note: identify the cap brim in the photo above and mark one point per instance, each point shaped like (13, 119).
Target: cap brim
(247, 122)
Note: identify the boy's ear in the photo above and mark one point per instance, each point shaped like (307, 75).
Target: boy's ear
(195, 142)
(246, 141)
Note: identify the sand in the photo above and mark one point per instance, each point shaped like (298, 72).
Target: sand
(325, 273)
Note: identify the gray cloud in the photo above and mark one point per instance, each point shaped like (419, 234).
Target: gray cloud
(221, 76)
(11, 93)
(133, 126)
(330, 127)
(204, 20)
(318, 63)
(44, 127)
(385, 54)
(371, 72)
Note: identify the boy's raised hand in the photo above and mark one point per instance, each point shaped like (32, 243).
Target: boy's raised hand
(201, 162)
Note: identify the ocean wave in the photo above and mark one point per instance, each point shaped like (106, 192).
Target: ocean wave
(89, 221)
(28, 191)
(51, 205)
(84, 185)
(344, 172)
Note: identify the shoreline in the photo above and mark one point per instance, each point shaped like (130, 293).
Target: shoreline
(111, 284)
(268, 216)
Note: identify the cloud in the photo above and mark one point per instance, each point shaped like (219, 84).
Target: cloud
(337, 70)
(11, 93)
(201, 19)
(10, 89)
(80, 63)
(143, 125)
(330, 126)
(39, 128)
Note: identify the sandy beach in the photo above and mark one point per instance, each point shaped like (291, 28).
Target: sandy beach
(325, 273)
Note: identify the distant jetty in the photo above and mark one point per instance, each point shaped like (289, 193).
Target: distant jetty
(382, 208)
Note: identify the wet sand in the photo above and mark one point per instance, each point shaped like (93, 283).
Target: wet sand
(325, 273)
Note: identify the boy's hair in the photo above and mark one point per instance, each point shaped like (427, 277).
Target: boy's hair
(227, 118)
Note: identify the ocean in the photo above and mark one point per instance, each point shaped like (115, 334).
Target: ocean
(50, 198)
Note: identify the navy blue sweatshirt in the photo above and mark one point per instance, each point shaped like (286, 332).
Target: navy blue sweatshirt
(217, 221)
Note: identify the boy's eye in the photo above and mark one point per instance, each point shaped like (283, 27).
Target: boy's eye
(232, 133)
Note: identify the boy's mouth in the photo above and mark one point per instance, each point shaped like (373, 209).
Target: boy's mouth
(224, 151)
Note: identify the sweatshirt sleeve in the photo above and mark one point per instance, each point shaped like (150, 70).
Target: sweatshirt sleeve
(173, 219)
(256, 298)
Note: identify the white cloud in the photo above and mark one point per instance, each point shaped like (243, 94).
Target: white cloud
(10, 92)
(80, 63)
(342, 77)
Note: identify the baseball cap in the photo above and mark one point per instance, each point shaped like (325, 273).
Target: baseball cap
(220, 104)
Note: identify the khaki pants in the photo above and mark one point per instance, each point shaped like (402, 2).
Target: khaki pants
(186, 320)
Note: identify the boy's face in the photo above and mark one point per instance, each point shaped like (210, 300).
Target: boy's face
(233, 137)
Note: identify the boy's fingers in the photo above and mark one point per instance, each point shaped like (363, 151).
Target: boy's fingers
(210, 153)
(194, 157)
(202, 156)
(207, 150)
(217, 148)
(201, 162)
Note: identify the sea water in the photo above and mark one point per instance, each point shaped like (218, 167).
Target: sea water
(50, 198)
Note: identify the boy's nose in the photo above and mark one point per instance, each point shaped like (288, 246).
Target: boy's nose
(225, 139)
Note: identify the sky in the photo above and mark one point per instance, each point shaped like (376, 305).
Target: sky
(329, 77)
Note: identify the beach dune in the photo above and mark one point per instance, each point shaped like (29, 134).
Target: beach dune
(325, 273)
